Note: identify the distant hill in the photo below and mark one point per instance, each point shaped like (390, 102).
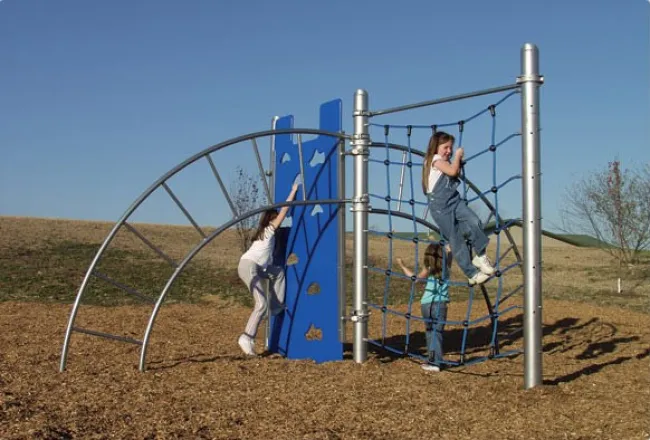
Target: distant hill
(581, 240)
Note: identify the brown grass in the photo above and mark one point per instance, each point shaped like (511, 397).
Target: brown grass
(596, 357)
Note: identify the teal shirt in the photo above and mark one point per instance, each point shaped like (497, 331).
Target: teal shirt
(435, 291)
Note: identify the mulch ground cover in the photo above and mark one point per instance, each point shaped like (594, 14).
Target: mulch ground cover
(199, 385)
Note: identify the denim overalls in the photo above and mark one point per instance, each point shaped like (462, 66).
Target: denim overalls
(457, 222)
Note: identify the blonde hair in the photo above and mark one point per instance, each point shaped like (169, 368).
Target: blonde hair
(435, 141)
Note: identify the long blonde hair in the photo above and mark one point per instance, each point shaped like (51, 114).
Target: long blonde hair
(435, 140)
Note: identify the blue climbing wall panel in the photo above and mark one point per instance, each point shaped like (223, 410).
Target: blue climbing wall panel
(309, 327)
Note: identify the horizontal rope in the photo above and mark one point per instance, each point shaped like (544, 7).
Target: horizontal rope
(397, 237)
(406, 201)
(391, 162)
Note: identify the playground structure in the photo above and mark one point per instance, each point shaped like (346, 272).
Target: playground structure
(317, 232)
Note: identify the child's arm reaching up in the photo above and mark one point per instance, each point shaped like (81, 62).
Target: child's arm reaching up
(285, 209)
(409, 273)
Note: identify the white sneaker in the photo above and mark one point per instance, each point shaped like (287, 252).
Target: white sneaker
(483, 264)
(479, 278)
(431, 368)
(247, 345)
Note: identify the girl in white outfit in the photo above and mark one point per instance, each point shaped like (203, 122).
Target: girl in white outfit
(256, 265)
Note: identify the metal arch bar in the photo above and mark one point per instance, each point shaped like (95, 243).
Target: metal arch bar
(107, 335)
(180, 205)
(421, 221)
(261, 167)
(200, 246)
(221, 185)
(127, 289)
(143, 196)
(444, 100)
(150, 244)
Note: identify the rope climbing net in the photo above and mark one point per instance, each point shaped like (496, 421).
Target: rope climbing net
(494, 332)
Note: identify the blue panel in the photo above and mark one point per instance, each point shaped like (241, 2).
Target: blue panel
(313, 237)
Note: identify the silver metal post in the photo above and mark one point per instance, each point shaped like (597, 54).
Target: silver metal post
(343, 309)
(530, 81)
(271, 176)
(360, 149)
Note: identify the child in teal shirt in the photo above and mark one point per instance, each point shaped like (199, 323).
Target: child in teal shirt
(434, 300)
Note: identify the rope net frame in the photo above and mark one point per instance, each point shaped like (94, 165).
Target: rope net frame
(498, 293)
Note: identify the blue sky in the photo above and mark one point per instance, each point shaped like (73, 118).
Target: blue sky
(99, 99)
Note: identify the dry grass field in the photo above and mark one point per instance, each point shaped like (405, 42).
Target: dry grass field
(198, 384)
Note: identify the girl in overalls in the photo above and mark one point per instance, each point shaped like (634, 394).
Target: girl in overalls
(450, 212)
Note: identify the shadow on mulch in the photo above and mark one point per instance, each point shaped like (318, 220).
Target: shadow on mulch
(590, 340)
(193, 359)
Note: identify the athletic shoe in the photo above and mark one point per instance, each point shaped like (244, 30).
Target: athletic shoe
(431, 368)
(479, 278)
(483, 264)
(247, 345)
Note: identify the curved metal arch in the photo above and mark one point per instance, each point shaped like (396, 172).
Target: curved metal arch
(179, 268)
(205, 153)
(404, 215)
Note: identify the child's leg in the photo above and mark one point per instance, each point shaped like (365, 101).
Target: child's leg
(428, 328)
(468, 221)
(439, 315)
(446, 221)
(278, 288)
(248, 272)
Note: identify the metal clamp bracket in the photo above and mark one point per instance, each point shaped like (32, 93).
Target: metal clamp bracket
(539, 79)
(359, 317)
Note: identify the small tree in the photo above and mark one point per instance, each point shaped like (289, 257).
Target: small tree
(246, 196)
(614, 206)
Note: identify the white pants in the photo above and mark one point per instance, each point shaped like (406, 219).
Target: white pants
(252, 275)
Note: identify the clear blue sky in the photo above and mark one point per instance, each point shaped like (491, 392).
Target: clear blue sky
(98, 99)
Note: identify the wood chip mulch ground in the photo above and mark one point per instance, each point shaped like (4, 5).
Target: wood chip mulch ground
(199, 385)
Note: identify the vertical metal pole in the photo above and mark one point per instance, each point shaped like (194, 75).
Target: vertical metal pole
(343, 310)
(401, 182)
(360, 149)
(530, 81)
(271, 175)
(302, 168)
